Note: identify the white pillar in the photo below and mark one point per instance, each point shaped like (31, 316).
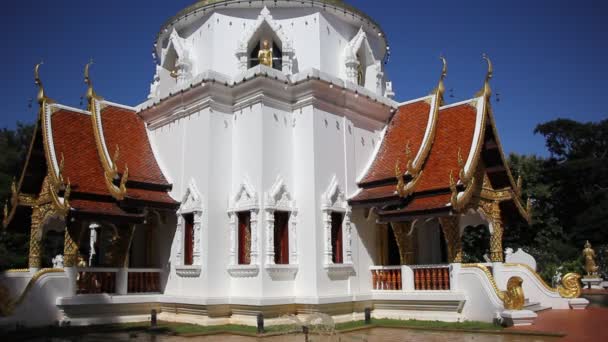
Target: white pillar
(72, 273)
(122, 279)
(407, 278)
(454, 270)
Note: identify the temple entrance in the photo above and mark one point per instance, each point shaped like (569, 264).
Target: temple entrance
(476, 243)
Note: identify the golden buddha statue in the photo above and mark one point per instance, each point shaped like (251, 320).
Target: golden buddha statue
(265, 54)
(590, 266)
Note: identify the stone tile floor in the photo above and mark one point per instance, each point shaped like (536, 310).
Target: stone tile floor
(578, 325)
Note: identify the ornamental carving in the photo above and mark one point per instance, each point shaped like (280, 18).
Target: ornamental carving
(279, 198)
(451, 231)
(334, 200)
(192, 203)
(571, 286)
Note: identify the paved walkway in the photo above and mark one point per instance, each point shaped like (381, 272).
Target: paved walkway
(578, 325)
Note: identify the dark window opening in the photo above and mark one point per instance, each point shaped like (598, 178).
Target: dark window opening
(188, 239)
(336, 238)
(394, 258)
(281, 238)
(244, 240)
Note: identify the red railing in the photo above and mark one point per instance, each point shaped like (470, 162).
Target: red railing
(143, 282)
(96, 281)
(386, 277)
(432, 278)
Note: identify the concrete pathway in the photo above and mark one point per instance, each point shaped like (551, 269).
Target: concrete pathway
(578, 325)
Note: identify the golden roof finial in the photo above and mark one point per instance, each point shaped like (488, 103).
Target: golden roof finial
(41, 96)
(88, 82)
(441, 85)
(487, 90)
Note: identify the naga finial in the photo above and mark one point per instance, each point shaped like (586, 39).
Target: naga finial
(41, 96)
(487, 90)
(88, 82)
(444, 73)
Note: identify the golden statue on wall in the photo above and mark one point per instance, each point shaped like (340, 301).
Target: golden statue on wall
(265, 54)
(590, 265)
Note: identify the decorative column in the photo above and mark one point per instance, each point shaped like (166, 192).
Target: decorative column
(405, 241)
(492, 212)
(71, 246)
(451, 232)
(36, 239)
(327, 252)
(269, 236)
(198, 223)
(233, 238)
(348, 259)
(254, 248)
(293, 245)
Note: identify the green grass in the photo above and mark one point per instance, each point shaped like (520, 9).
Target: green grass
(167, 328)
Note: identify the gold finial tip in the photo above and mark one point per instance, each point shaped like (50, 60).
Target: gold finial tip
(490, 65)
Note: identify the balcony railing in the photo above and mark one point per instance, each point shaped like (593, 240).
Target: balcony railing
(119, 281)
(143, 281)
(386, 277)
(96, 280)
(431, 277)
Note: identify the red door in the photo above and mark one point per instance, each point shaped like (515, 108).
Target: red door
(336, 237)
(244, 238)
(281, 238)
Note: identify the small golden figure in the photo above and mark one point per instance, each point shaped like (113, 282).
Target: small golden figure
(265, 54)
(590, 265)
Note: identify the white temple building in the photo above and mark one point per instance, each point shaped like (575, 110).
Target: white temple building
(270, 171)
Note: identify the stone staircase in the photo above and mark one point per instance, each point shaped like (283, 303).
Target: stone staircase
(534, 306)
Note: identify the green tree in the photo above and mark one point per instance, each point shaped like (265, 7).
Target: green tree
(14, 145)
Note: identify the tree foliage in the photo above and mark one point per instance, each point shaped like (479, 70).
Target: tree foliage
(14, 146)
(569, 192)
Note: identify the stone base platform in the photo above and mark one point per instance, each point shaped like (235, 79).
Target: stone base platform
(518, 317)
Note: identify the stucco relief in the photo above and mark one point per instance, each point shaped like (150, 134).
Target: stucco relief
(334, 200)
(192, 203)
(359, 58)
(279, 198)
(244, 199)
(265, 20)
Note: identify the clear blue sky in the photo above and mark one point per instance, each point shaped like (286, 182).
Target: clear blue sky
(549, 56)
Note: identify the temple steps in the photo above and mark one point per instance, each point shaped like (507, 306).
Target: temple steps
(535, 306)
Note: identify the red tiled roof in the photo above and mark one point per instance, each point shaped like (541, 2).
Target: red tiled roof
(420, 204)
(371, 194)
(99, 208)
(74, 139)
(125, 129)
(455, 129)
(409, 124)
(150, 196)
